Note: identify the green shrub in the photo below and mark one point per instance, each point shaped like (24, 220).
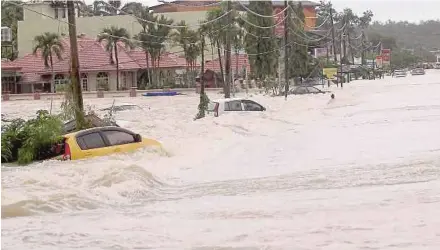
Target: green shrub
(26, 141)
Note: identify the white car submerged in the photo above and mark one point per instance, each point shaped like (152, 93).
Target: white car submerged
(221, 106)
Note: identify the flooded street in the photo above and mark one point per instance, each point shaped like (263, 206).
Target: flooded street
(361, 171)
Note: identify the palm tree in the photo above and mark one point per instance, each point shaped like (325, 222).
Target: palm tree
(48, 44)
(144, 15)
(188, 40)
(133, 8)
(217, 35)
(112, 36)
(159, 34)
(114, 6)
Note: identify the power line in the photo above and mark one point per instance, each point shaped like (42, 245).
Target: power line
(168, 25)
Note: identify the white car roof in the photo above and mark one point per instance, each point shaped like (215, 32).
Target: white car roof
(229, 99)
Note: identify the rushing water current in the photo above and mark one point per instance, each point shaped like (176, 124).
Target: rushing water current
(361, 171)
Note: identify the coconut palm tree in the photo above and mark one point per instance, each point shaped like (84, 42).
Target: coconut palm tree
(144, 15)
(49, 44)
(112, 36)
(159, 34)
(188, 40)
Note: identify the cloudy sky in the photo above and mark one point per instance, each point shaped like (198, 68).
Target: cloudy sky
(397, 10)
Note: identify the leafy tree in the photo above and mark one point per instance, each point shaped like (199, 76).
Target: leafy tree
(298, 52)
(350, 21)
(263, 64)
(188, 40)
(364, 22)
(48, 44)
(26, 141)
(112, 36)
(403, 59)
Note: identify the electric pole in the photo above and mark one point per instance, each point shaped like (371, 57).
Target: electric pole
(228, 52)
(74, 71)
(333, 33)
(286, 49)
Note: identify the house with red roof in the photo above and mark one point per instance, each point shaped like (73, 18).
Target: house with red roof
(28, 74)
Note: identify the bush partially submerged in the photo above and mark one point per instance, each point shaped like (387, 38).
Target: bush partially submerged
(26, 141)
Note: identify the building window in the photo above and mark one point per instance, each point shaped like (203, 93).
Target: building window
(59, 79)
(56, 13)
(102, 81)
(64, 12)
(84, 82)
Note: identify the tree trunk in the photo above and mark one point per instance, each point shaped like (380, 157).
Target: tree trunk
(202, 81)
(52, 84)
(117, 66)
(158, 70)
(221, 64)
(147, 60)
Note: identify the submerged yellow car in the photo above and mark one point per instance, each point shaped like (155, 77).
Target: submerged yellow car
(101, 141)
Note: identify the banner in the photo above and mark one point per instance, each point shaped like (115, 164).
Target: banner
(379, 61)
(386, 56)
(330, 72)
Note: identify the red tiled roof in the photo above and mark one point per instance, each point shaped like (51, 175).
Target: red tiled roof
(167, 60)
(214, 65)
(92, 57)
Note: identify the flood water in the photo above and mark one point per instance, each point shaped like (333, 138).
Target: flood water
(361, 171)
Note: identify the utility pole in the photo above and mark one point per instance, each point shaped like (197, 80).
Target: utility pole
(286, 49)
(74, 71)
(228, 52)
(333, 33)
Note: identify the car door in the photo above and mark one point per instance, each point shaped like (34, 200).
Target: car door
(120, 141)
(91, 144)
(249, 105)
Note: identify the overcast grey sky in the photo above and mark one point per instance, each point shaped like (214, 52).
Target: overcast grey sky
(396, 10)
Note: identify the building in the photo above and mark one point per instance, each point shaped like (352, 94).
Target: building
(43, 16)
(28, 73)
(55, 20)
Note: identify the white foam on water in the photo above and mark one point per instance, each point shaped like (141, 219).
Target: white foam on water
(359, 171)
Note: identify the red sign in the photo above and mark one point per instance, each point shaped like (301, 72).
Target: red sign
(279, 29)
(386, 56)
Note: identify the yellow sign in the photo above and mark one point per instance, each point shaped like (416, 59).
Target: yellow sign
(330, 72)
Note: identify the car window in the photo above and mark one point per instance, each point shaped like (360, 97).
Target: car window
(301, 90)
(233, 106)
(118, 137)
(90, 141)
(313, 90)
(251, 106)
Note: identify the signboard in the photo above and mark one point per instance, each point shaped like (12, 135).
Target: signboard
(330, 73)
(386, 56)
(279, 29)
(320, 52)
(379, 61)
